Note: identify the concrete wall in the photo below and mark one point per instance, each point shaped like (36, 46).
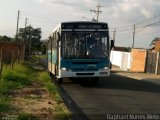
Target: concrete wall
(121, 59)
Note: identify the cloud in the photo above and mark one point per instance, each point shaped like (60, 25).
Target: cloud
(117, 13)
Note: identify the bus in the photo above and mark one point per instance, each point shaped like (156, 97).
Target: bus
(79, 49)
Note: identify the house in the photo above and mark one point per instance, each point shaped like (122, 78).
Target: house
(122, 49)
(157, 46)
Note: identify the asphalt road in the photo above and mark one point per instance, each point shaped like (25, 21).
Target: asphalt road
(115, 95)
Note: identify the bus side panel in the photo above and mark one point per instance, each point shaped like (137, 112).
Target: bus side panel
(49, 56)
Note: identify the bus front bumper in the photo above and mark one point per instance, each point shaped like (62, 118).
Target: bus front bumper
(69, 73)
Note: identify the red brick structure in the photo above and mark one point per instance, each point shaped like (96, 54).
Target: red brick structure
(11, 51)
(138, 61)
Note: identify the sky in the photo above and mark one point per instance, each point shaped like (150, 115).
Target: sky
(119, 14)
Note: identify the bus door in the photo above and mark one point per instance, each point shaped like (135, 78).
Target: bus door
(58, 52)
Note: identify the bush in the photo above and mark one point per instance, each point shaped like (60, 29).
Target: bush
(43, 76)
(14, 78)
(6, 86)
(19, 74)
(4, 103)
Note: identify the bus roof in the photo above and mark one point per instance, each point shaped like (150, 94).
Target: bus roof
(77, 22)
(84, 22)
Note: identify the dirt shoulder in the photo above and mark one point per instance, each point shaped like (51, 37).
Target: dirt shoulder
(34, 101)
(39, 100)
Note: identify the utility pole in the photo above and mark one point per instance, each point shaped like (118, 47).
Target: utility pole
(114, 35)
(97, 11)
(25, 38)
(17, 24)
(30, 42)
(26, 20)
(134, 27)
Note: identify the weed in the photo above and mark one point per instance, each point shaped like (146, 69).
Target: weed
(25, 116)
(58, 98)
(4, 103)
(44, 77)
(61, 115)
(7, 86)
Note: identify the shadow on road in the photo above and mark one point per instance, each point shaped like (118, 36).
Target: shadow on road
(119, 82)
(123, 83)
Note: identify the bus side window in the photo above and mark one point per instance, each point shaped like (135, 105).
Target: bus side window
(58, 36)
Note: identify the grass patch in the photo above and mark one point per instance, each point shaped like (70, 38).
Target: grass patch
(19, 75)
(4, 103)
(50, 86)
(6, 86)
(60, 113)
(16, 77)
(25, 116)
(11, 79)
(62, 116)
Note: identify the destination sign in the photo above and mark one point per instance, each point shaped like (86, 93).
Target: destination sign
(84, 26)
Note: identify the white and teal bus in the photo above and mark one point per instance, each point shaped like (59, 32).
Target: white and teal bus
(79, 49)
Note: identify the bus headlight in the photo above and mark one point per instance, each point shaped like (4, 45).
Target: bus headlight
(65, 69)
(105, 68)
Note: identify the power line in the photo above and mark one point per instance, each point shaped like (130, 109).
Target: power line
(147, 20)
(97, 11)
(142, 22)
(39, 18)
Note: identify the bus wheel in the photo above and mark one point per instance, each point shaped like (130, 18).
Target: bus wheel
(95, 81)
(60, 80)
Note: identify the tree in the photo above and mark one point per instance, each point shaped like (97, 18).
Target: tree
(30, 37)
(153, 42)
(6, 38)
(43, 47)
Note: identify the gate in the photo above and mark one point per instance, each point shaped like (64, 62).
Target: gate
(158, 64)
(124, 62)
(151, 62)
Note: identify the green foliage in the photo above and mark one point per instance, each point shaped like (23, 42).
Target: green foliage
(18, 74)
(44, 47)
(4, 103)
(44, 76)
(6, 86)
(50, 86)
(6, 39)
(58, 98)
(11, 79)
(14, 78)
(61, 115)
(24, 116)
(30, 36)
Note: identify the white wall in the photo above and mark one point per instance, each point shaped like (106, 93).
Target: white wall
(121, 59)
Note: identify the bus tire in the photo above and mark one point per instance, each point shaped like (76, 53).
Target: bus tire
(60, 80)
(95, 80)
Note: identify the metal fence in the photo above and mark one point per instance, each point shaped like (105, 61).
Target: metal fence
(153, 62)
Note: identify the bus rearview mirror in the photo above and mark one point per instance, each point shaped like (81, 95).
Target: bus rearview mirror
(112, 44)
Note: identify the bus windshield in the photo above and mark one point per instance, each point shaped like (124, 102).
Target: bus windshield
(85, 45)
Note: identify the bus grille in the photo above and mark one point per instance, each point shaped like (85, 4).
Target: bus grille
(84, 73)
